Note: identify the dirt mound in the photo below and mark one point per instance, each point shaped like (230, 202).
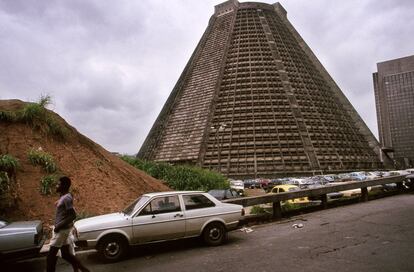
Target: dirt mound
(101, 182)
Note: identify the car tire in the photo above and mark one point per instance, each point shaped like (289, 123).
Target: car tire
(112, 248)
(214, 234)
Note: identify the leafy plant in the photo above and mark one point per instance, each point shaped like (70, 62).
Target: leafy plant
(257, 210)
(36, 115)
(8, 163)
(288, 206)
(4, 182)
(56, 129)
(180, 177)
(45, 100)
(39, 157)
(47, 183)
(33, 113)
(8, 116)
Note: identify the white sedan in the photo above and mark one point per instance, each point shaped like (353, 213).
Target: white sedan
(158, 217)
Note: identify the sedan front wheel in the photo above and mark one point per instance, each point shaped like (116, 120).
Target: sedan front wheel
(112, 248)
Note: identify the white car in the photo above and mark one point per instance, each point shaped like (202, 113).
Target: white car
(237, 185)
(158, 217)
(20, 240)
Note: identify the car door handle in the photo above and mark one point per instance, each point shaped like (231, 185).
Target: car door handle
(178, 215)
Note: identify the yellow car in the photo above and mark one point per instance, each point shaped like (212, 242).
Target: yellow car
(289, 188)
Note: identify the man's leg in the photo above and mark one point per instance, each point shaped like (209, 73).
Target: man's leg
(51, 259)
(76, 264)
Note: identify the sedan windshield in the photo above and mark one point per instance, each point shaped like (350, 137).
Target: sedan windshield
(135, 205)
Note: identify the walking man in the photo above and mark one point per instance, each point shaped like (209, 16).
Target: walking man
(65, 215)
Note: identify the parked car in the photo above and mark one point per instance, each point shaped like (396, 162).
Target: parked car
(158, 217)
(289, 188)
(372, 175)
(250, 184)
(330, 196)
(410, 170)
(237, 185)
(20, 240)
(331, 177)
(358, 176)
(351, 192)
(344, 177)
(222, 194)
(409, 181)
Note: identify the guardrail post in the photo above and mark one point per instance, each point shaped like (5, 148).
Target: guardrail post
(277, 209)
(324, 199)
(364, 194)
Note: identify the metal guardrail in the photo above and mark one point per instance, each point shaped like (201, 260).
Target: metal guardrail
(317, 192)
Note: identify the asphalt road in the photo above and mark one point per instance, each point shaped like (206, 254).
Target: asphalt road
(372, 236)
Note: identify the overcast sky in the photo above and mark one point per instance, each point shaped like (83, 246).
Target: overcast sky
(110, 65)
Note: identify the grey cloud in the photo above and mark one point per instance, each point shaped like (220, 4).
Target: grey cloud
(110, 65)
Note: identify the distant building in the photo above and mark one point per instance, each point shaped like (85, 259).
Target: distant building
(394, 98)
(254, 101)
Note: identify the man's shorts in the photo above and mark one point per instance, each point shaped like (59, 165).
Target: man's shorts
(61, 238)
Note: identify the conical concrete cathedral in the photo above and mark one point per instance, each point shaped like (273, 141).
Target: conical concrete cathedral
(254, 101)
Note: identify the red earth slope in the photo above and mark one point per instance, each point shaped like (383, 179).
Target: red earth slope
(102, 182)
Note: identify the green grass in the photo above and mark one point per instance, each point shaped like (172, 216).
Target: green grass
(180, 177)
(8, 168)
(257, 210)
(8, 163)
(44, 159)
(36, 116)
(47, 184)
(8, 116)
(56, 129)
(32, 113)
(4, 182)
(287, 206)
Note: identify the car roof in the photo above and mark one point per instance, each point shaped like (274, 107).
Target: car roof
(171, 193)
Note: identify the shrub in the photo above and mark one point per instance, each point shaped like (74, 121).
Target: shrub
(45, 100)
(32, 114)
(8, 163)
(257, 210)
(56, 129)
(180, 177)
(36, 115)
(47, 183)
(288, 206)
(8, 116)
(4, 182)
(39, 157)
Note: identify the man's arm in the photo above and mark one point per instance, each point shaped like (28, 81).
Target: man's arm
(70, 216)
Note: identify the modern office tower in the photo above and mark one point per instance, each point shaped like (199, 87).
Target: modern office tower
(254, 101)
(394, 98)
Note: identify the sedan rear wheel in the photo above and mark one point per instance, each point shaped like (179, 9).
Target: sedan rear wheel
(214, 234)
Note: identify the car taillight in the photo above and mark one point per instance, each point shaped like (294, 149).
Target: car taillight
(243, 212)
(75, 233)
(37, 238)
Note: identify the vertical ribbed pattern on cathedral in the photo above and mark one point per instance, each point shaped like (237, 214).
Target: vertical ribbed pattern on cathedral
(252, 102)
